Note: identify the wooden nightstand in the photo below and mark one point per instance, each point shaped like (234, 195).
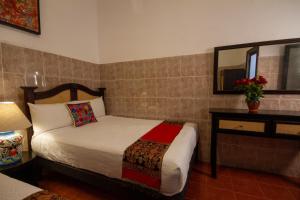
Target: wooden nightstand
(22, 170)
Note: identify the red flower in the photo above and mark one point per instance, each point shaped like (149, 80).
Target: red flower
(237, 82)
(245, 81)
(252, 88)
(262, 80)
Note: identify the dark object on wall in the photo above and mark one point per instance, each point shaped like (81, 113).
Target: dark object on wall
(23, 15)
(291, 72)
(230, 76)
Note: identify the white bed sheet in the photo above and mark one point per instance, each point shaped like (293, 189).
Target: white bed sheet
(99, 147)
(12, 189)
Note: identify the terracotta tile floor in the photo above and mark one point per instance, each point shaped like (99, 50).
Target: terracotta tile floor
(231, 184)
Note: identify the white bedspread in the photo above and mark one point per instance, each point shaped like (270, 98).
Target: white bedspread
(99, 147)
(12, 189)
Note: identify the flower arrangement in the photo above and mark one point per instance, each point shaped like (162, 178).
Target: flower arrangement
(253, 90)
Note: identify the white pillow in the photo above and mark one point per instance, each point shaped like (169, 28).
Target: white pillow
(97, 106)
(46, 117)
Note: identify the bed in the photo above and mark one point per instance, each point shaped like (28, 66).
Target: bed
(94, 153)
(12, 189)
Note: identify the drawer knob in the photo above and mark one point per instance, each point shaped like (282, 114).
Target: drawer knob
(240, 126)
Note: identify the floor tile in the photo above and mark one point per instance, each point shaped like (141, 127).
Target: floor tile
(198, 177)
(194, 191)
(244, 174)
(240, 196)
(249, 187)
(277, 180)
(231, 184)
(211, 193)
(222, 182)
(277, 192)
(295, 192)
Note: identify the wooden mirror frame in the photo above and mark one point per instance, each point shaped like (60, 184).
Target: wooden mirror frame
(254, 44)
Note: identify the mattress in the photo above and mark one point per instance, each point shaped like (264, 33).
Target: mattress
(12, 189)
(99, 147)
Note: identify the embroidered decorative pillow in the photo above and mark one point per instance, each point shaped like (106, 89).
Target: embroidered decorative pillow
(81, 113)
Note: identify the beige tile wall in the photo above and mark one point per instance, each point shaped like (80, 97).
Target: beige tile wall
(18, 65)
(165, 88)
(181, 88)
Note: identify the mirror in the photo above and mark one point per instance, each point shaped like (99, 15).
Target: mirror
(278, 61)
(291, 73)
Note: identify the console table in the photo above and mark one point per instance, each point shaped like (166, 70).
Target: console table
(265, 123)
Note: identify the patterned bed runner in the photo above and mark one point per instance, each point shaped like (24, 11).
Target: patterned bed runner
(142, 161)
(44, 195)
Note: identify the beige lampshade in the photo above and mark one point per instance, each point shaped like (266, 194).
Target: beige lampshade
(12, 118)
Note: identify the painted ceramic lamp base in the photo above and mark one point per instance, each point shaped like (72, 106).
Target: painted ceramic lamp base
(10, 148)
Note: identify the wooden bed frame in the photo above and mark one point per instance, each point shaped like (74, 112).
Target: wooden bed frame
(73, 92)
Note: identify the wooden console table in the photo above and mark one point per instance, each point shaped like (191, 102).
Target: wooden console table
(265, 123)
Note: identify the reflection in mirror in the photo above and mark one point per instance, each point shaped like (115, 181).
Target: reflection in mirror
(280, 64)
(236, 64)
(252, 60)
(270, 65)
(291, 74)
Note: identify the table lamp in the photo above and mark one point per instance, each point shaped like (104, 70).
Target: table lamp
(11, 119)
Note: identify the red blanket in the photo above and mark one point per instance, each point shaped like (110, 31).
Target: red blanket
(142, 160)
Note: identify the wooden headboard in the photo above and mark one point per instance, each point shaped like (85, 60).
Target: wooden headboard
(60, 94)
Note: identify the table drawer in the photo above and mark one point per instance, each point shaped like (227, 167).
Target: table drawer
(242, 125)
(288, 129)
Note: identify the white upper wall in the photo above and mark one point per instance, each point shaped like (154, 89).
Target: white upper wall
(140, 29)
(103, 31)
(69, 28)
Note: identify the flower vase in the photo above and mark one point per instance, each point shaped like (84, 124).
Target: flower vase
(253, 106)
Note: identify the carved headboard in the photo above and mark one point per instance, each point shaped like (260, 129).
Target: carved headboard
(60, 94)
